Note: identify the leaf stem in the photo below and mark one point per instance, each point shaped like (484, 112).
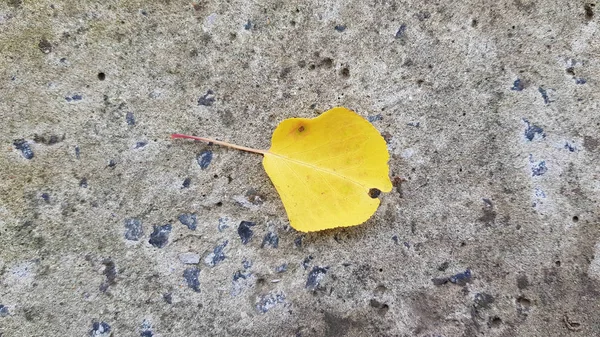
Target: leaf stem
(208, 140)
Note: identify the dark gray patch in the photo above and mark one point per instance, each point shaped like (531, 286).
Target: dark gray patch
(160, 236)
(315, 277)
(23, 146)
(112, 163)
(401, 31)
(522, 282)
(77, 152)
(270, 239)
(46, 197)
(589, 143)
(133, 229)
(327, 62)
(83, 183)
(544, 94)
(110, 271)
(461, 279)
(268, 301)
(45, 46)
(284, 72)
(422, 16)
(395, 239)
(217, 255)
(204, 158)
(208, 99)
(186, 183)
(191, 278)
(340, 28)
(3, 311)
(523, 305)
(580, 81)
(494, 322)
(146, 333)
(589, 11)
(15, 3)
(539, 169)
(254, 196)
(518, 85)
(438, 281)
(168, 297)
(414, 124)
(345, 72)
(382, 308)
(189, 219)
(489, 216)
(130, 118)
(483, 300)
(139, 145)
(532, 130)
(48, 140)
(248, 25)
(100, 329)
(245, 232)
(443, 266)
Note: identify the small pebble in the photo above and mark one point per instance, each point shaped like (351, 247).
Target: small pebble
(208, 99)
(191, 275)
(270, 239)
(204, 158)
(281, 269)
(401, 31)
(160, 236)
(101, 329)
(539, 169)
(315, 277)
(23, 146)
(518, 85)
(130, 118)
(189, 258)
(3, 310)
(186, 183)
(189, 219)
(268, 301)
(461, 279)
(245, 232)
(217, 255)
(133, 229)
(544, 94)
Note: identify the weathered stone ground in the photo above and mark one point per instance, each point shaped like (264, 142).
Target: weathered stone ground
(110, 228)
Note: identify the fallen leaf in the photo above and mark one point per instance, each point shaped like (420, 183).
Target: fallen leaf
(328, 170)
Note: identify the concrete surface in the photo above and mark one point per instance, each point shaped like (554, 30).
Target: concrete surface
(110, 228)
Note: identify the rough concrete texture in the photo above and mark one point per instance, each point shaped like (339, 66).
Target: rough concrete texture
(110, 228)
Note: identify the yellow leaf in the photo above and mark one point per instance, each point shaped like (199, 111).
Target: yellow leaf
(327, 170)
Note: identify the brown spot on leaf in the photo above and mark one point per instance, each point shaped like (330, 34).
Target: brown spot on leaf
(374, 193)
(301, 128)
